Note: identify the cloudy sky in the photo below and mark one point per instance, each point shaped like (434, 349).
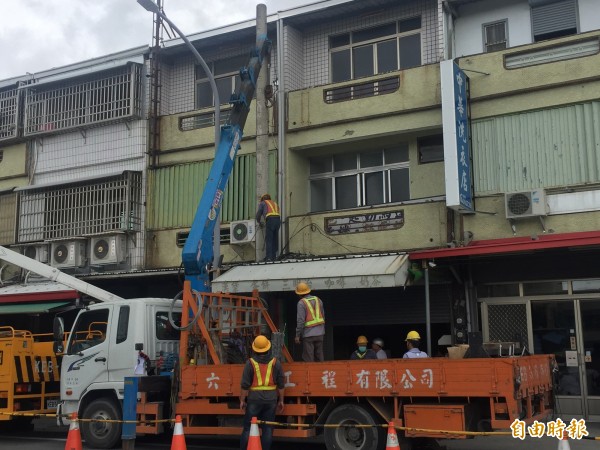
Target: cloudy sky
(37, 35)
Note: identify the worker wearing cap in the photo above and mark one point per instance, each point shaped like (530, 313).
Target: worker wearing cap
(413, 340)
(377, 347)
(268, 209)
(262, 391)
(310, 324)
(363, 352)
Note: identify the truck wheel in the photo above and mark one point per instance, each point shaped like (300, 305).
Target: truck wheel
(350, 438)
(101, 434)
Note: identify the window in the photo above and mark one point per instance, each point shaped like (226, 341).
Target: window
(431, 149)
(123, 325)
(227, 79)
(164, 329)
(9, 100)
(376, 50)
(89, 331)
(552, 19)
(350, 180)
(494, 36)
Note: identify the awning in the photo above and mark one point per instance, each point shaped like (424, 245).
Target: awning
(513, 245)
(42, 291)
(31, 308)
(356, 272)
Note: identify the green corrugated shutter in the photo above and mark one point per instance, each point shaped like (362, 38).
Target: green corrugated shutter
(547, 148)
(174, 192)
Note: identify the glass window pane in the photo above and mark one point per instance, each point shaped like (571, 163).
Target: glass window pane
(586, 286)
(225, 89)
(590, 318)
(399, 185)
(230, 65)
(89, 331)
(374, 33)
(123, 324)
(345, 161)
(410, 51)
(320, 195)
(498, 290)
(387, 56)
(204, 96)
(320, 165)
(371, 159)
(431, 149)
(345, 192)
(397, 154)
(200, 72)
(413, 23)
(164, 329)
(373, 188)
(340, 66)
(362, 62)
(339, 40)
(545, 287)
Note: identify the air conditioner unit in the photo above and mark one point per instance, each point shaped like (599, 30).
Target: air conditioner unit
(67, 254)
(242, 231)
(526, 204)
(39, 252)
(110, 249)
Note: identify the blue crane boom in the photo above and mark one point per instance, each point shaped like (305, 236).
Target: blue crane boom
(198, 251)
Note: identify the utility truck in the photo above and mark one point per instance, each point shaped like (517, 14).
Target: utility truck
(204, 364)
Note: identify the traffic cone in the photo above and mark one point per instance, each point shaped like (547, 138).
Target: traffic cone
(178, 442)
(392, 438)
(563, 444)
(254, 438)
(74, 436)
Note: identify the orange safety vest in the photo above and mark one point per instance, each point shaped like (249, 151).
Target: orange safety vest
(260, 383)
(313, 315)
(272, 208)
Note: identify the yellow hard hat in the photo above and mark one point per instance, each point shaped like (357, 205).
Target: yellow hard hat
(261, 344)
(413, 336)
(302, 288)
(362, 340)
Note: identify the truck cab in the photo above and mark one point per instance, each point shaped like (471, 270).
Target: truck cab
(101, 351)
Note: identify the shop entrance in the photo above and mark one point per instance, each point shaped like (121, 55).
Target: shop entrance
(569, 330)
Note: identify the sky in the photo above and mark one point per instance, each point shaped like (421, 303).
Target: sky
(38, 35)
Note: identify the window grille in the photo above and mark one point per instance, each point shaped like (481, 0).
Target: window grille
(204, 120)
(85, 208)
(361, 90)
(350, 180)
(9, 104)
(108, 97)
(495, 36)
(385, 48)
(8, 218)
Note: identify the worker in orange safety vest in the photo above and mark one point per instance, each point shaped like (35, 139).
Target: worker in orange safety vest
(268, 209)
(262, 391)
(310, 324)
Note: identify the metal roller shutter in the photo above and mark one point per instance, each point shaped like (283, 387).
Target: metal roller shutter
(553, 17)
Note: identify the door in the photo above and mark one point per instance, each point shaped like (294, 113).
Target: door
(85, 361)
(556, 332)
(590, 320)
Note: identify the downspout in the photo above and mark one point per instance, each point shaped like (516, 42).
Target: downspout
(281, 129)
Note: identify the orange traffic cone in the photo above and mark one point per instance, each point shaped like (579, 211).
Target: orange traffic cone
(563, 444)
(178, 442)
(254, 438)
(74, 436)
(392, 438)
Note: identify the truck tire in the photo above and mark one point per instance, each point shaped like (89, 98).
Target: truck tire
(349, 438)
(101, 434)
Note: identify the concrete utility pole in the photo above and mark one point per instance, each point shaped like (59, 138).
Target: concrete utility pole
(262, 128)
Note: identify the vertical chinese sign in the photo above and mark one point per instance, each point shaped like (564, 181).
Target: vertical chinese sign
(457, 143)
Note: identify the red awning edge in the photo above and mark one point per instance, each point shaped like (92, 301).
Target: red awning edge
(512, 245)
(38, 296)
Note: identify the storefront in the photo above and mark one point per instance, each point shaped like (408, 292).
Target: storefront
(543, 294)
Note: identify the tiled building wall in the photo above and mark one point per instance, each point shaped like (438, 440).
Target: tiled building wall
(316, 39)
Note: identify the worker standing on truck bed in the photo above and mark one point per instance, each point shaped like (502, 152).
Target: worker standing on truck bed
(310, 324)
(268, 209)
(262, 391)
(362, 352)
(413, 340)
(377, 347)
